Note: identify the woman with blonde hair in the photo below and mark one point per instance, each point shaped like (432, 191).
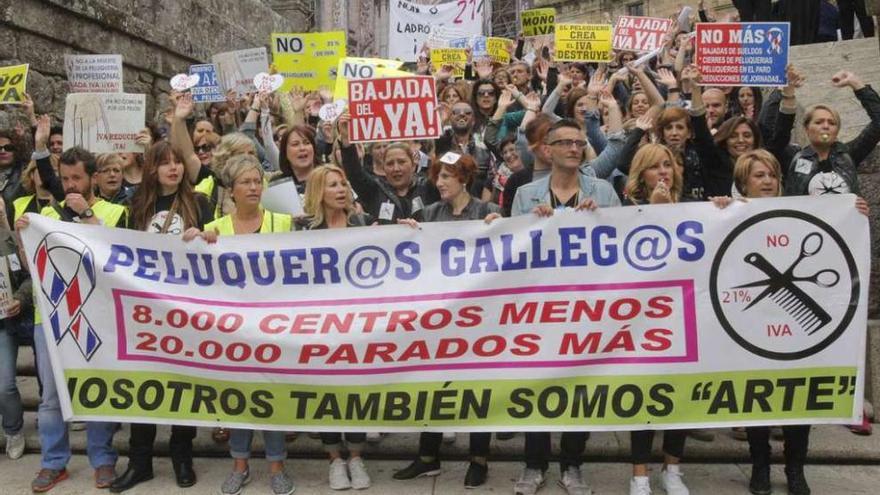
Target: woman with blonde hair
(329, 204)
(108, 181)
(653, 177)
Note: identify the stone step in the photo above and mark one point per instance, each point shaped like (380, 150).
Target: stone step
(828, 444)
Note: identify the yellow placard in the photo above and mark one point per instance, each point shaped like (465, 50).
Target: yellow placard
(498, 50)
(307, 60)
(13, 84)
(583, 42)
(538, 22)
(456, 57)
(351, 68)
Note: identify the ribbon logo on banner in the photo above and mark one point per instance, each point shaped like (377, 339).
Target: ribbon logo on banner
(68, 291)
(774, 37)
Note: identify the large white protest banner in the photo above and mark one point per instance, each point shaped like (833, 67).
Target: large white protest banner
(94, 73)
(665, 316)
(411, 25)
(237, 69)
(104, 122)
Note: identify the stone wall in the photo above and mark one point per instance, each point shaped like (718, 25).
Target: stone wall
(156, 38)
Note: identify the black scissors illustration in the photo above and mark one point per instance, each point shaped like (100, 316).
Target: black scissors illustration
(782, 289)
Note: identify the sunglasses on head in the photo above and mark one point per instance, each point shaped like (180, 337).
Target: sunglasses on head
(7, 147)
(204, 148)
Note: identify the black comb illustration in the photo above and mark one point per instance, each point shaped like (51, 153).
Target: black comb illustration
(783, 290)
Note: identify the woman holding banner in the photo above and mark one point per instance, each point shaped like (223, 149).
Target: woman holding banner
(453, 174)
(164, 203)
(654, 178)
(329, 205)
(244, 175)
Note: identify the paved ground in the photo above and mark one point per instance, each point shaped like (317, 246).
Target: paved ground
(311, 478)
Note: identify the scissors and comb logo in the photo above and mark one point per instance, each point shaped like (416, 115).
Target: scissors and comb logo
(784, 285)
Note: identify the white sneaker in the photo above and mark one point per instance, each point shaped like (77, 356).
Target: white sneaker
(374, 437)
(530, 481)
(360, 479)
(15, 445)
(640, 485)
(339, 475)
(448, 437)
(672, 482)
(573, 483)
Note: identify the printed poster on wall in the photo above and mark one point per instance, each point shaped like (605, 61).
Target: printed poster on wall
(411, 24)
(104, 122)
(94, 73)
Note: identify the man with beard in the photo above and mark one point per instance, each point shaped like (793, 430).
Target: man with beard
(77, 170)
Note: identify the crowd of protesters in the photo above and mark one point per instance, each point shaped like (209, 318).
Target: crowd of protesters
(531, 137)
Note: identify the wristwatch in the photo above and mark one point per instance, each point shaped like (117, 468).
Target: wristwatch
(87, 213)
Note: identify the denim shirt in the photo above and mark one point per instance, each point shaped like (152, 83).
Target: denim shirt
(536, 193)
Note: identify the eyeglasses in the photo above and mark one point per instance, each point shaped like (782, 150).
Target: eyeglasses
(7, 147)
(462, 111)
(204, 148)
(568, 143)
(486, 92)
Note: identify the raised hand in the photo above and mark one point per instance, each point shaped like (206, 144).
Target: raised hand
(667, 78)
(506, 99)
(342, 128)
(483, 68)
(533, 102)
(645, 122)
(297, 99)
(184, 106)
(41, 135)
(847, 78)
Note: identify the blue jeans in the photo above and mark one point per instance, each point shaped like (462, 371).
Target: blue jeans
(53, 431)
(10, 399)
(240, 444)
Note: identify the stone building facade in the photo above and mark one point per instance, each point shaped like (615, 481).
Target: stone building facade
(585, 11)
(156, 38)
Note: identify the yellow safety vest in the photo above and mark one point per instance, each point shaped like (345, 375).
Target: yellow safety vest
(272, 222)
(20, 205)
(106, 211)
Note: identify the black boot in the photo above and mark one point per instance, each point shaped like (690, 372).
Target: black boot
(184, 474)
(760, 482)
(797, 483)
(131, 477)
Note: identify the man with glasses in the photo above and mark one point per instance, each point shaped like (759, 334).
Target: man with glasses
(566, 187)
(461, 139)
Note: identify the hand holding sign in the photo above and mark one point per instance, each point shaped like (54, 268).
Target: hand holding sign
(183, 82)
(265, 82)
(342, 129)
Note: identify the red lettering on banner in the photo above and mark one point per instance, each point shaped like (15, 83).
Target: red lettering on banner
(393, 109)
